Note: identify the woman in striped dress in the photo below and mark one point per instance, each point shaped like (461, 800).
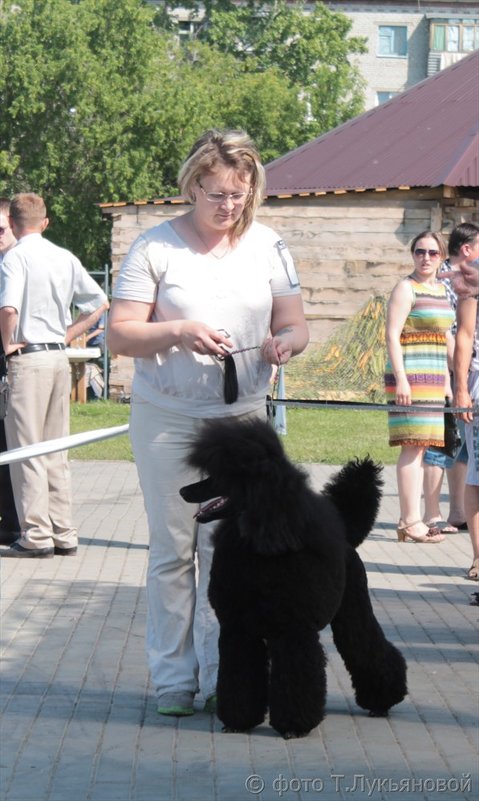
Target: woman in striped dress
(418, 320)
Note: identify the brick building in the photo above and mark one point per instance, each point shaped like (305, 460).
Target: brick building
(409, 41)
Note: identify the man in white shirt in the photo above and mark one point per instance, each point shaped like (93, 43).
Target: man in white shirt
(38, 283)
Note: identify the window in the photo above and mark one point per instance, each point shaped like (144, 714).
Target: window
(187, 29)
(470, 38)
(382, 97)
(392, 40)
(454, 36)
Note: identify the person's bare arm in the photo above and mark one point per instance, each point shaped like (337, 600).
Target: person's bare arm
(466, 313)
(83, 322)
(98, 330)
(132, 333)
(399, 306)
(8, 324)
(289, 330)
(450, 342)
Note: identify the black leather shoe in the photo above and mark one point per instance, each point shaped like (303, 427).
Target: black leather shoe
(8, 537)
(17, 551)
(65, 551)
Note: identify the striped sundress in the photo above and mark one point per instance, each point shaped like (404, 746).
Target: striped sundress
(423, 342)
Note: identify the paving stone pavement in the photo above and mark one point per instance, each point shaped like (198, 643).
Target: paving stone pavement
(79, 716)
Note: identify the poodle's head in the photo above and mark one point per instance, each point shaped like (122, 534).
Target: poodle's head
(248, 477)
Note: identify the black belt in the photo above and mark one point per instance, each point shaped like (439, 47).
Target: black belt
(38, 348)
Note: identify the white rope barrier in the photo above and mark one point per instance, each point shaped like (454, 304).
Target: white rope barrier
(60, 444)
(85, 437)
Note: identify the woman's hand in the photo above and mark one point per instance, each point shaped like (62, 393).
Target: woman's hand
(464, 279)
(277, 350)
(403, 391)
(462, 400)
(200, 338)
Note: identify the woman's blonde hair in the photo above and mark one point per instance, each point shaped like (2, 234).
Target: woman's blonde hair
(232, 149)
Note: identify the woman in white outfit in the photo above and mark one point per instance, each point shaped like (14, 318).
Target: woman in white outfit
(191, 289)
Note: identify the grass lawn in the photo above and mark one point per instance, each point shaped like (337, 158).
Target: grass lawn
(331, 436)
(100, 414)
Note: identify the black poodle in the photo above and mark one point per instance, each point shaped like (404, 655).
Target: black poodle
(285, 566)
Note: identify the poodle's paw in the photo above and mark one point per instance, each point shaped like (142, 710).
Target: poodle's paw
(378, 713)
(230, 730)
(294, 735)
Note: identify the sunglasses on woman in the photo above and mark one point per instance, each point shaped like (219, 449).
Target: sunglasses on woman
(433, 254)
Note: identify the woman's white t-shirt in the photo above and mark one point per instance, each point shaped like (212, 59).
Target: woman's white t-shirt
(234, 293)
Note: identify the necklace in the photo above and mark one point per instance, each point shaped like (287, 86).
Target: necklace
(211, 250)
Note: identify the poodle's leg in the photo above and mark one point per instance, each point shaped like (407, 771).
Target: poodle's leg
(297, 691)
(377, 668)
(242, 680)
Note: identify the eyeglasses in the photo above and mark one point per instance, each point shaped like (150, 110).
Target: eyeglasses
(433, 254)
(221, 197)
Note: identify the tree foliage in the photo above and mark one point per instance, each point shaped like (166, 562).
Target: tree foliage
(101, 102)
(77, 85)
(311, 48)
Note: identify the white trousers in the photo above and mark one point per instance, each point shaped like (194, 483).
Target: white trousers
(182, 630)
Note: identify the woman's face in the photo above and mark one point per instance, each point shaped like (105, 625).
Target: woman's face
(222, 212)
(426, 257)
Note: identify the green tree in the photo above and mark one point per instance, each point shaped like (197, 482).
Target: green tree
(221, 88)
(77, 92)
(313, 49)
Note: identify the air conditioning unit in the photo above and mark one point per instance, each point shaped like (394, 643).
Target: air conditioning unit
(433, 63)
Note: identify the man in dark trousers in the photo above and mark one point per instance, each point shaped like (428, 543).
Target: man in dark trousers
(9, 525)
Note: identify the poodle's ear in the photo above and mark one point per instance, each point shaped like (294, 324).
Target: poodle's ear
(268, 519)
(262, 482)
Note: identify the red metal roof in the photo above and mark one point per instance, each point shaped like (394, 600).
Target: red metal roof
(426, 136)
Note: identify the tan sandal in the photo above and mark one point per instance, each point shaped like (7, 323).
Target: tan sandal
(404, 534)
(473, 572)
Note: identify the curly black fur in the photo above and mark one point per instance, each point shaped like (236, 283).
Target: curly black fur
(284, 567)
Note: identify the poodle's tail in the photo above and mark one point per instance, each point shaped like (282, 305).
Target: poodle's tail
(356, 493)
